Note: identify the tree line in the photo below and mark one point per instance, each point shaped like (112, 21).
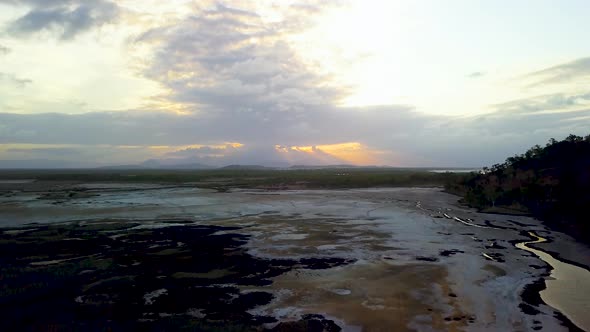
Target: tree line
(552, 183)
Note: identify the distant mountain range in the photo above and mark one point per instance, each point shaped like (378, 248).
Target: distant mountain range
(197, 166)
(181, 164)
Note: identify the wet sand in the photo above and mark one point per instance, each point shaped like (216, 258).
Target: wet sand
(374, 296)
(419, 261)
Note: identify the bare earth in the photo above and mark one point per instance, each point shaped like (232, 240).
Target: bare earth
(421, 261)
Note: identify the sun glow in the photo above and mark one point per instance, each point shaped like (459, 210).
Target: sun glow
(350, 152)
(358, 46)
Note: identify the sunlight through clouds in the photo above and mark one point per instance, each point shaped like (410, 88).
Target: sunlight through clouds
(362, 82)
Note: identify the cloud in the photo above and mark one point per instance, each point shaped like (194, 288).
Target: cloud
(204, 151)
(4, 50)
(67, 18)
(47, 3)
(12, 79)
(561, 73)
(556, 102)
(67, 155)
(47, 152)
(313, 127)
(409, 137)
(268, 155)
(224, 59)
(476, 74)
(237, 78)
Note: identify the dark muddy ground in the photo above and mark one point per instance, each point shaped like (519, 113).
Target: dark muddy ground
(115, 277)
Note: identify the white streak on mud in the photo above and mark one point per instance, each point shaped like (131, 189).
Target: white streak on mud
(58, 261)
(289, 237)
(150, 298)
(468, 223)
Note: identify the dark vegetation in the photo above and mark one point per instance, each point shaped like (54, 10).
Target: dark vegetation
(107, 277)
(235, 178)
(551, 183)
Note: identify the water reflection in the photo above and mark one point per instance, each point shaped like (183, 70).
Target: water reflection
(568, 287)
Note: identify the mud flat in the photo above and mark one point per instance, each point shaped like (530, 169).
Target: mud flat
(402, 259)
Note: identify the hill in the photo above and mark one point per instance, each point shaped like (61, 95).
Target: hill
(551, 183)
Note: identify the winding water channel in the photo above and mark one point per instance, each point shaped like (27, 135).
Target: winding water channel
(568, 286)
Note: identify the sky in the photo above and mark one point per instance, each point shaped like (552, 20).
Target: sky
(457, 83)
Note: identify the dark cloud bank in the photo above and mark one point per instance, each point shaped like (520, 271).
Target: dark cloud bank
(421, 139)
(65, 17)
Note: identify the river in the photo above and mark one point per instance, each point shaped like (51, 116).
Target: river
(567, 287)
